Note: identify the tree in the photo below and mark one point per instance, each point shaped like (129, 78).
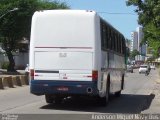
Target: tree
(134, 53)
(16, 25)
(128, 44)
(149, 18)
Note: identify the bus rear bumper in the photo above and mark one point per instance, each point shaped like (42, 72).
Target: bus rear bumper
(41, 87)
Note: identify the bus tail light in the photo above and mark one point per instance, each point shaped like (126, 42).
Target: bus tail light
(32, 74)
(94, 75)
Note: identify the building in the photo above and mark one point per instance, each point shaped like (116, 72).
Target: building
(142, 47)
(134, 39)
(21, 56)
(137, 37)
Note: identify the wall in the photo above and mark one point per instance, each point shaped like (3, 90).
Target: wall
(21, 60)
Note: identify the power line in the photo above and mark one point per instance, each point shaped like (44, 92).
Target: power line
(117, 13)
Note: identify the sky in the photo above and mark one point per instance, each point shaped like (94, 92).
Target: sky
(125, 23)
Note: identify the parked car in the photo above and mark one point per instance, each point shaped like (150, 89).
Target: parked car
(153, 67)
(144, 69)
(27, 68)
(129, 68)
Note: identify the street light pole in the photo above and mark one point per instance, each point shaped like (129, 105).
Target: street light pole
(14, 9)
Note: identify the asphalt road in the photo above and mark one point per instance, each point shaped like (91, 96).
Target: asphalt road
(135, 98)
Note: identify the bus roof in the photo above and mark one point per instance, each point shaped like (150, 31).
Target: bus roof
(79, 12)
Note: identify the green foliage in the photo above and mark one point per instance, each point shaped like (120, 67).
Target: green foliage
(128, 43)
(5, 65)
(149, 18)
(134, 53)
(17, 24)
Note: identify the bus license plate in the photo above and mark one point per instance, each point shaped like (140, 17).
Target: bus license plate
(62, 89)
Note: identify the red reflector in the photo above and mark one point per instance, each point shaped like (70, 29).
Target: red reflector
(94, 75)
(32, 74)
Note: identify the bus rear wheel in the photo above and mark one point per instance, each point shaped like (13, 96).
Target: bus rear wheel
(49, 98)
(118, 94)
(105, 100)
(58, 100)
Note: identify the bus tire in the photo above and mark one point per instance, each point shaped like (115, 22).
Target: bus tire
(49, 98)
(58, 100)
(105, 100)
(122, 83)
(118, 94)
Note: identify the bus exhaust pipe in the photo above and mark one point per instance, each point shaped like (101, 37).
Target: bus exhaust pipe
(89, 90)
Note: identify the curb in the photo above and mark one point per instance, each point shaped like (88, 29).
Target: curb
(13, 81)
(16, 81)
(1, 84)
(24, 80)
(7, 82)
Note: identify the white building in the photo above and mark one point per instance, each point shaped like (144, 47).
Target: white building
(141, 48)
(21, 57)
(134, 37)
(137, 37)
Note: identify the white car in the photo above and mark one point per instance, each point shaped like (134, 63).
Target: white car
(143, 69)
(153, 67)
(129, 68)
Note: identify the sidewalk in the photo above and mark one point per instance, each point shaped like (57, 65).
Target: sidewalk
(155, 105)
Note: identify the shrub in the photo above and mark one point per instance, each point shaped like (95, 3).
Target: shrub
(5, 65)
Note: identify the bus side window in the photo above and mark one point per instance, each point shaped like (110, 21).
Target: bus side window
(105, 37)
(110, 39)
(118, 43)
(114, 43)
(124, 46)
(107, 34)
(102, 37)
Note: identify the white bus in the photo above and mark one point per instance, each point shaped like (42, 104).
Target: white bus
(75, 53)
